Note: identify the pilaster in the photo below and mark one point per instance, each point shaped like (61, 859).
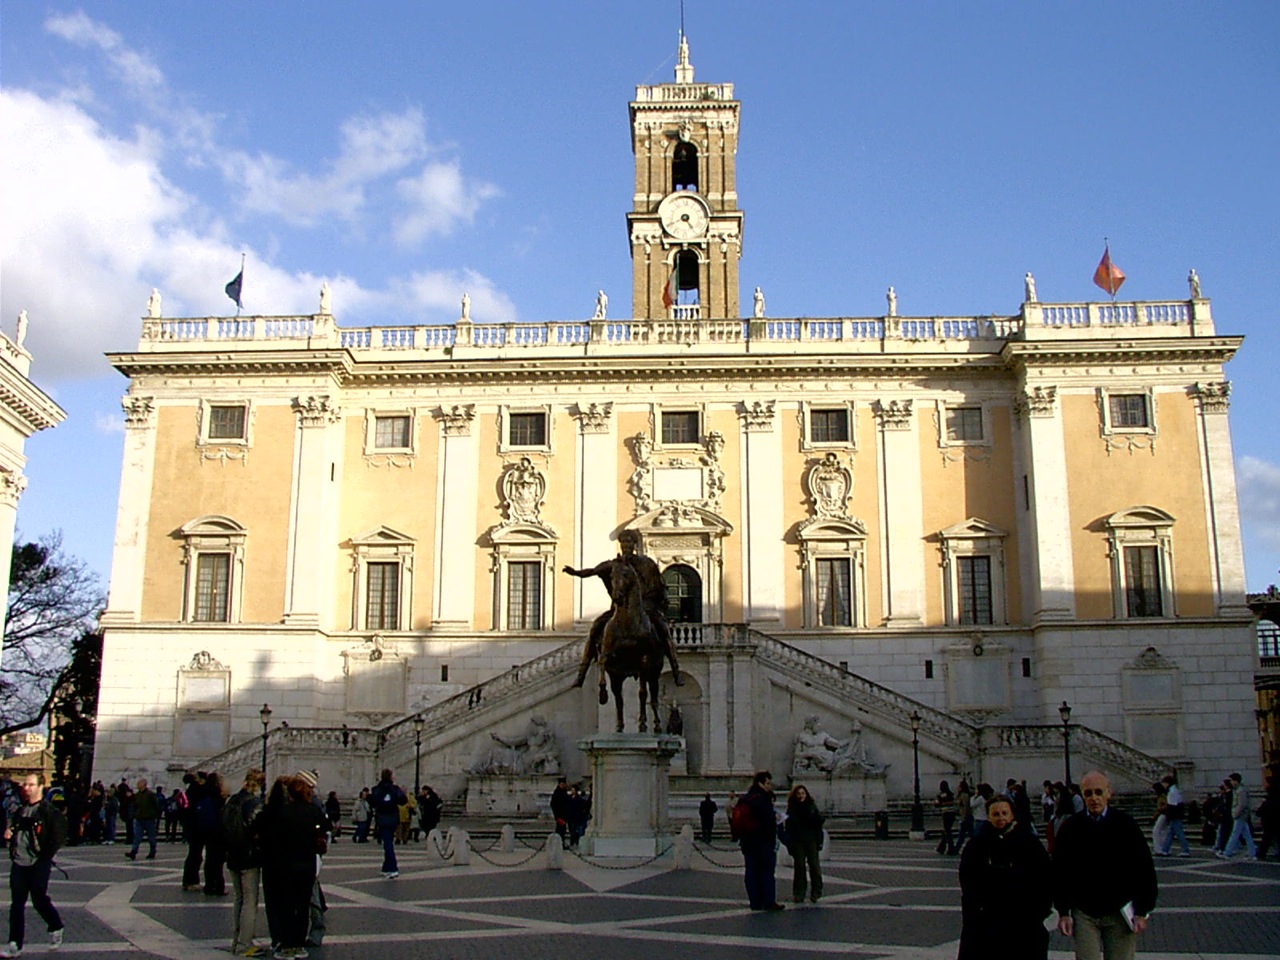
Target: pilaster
(456, 506)
(1053, 569)
(314, 509)
(128, 555)
(762, 499)
(595, 483)
(1222, 509)
(902, 514)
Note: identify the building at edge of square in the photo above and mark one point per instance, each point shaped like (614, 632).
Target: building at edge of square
(972, 519)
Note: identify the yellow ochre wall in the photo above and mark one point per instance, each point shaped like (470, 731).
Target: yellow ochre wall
(1100, 483)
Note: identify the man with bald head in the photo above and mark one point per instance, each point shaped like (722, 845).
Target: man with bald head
(1104, 878)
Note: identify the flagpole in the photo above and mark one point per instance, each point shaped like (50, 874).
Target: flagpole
(1111, 287)
(242, 284)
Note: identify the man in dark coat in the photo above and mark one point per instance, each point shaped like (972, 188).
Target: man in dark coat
(707, 814)
(756, 830)
(1104, 878)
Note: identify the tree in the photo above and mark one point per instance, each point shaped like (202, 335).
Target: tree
(54, 600)
(75, 711)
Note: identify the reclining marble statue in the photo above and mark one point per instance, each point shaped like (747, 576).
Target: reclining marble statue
(817, 750)
(533, 753)
(631, 638)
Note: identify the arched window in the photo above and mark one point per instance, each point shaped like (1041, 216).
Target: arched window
(688, 273)
(684, 593)
(684, 167)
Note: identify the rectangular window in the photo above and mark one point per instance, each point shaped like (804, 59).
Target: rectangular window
(974, 575)
(524, 595)
(680, 427)
(391, 432)
(928, 669)
(1142, 582)
(964, 424)
(835, 593)
(1026, 666)
(528, 430)
(829, 426)
(213, 588)
(1128, 410)
(226, 423)
(383, 592)
(444, 673)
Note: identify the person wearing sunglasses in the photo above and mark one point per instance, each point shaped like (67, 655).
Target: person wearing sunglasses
(1104, 878)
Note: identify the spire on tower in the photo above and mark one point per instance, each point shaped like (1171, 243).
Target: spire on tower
(684, 69)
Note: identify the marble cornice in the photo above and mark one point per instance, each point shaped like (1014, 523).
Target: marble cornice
(1019, 353)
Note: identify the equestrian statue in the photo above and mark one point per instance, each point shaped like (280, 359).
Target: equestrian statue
(631, 638)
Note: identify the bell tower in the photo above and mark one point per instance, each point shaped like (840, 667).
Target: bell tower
(685, 226)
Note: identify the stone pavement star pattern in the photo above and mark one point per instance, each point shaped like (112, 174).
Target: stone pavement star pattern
(884, 899)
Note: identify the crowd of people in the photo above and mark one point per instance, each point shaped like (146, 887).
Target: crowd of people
(1078, 855)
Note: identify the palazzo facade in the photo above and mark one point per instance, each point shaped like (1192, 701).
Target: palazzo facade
(969, 518)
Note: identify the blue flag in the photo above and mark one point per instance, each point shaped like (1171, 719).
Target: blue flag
(233, 288)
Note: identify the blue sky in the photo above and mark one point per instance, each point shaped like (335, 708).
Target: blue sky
(408, 151)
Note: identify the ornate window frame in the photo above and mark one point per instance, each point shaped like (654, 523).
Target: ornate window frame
(973, 537)
(371, 417)
(213, 534)
(204, 418)
(523, 542)
(826, 538)
(505, 446)
(807, 407)
(692, 536)
(943, 407)
(1140, 526)
(381, 545)
(1128, 438)
(655, 425)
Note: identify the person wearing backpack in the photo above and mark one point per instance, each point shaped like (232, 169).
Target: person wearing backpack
(244, 862)
(387, 799)
(755, 824)
(35, 832)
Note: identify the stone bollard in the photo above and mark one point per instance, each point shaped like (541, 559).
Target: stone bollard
(435, 843)
(507, 842)
(555, 852)
(684, 849)
(460, 842)
(784, 856)
(826, 846)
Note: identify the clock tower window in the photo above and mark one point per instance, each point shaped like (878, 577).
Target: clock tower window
(684, 167)
(687, 273)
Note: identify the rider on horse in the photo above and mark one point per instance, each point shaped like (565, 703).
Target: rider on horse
(655, 603)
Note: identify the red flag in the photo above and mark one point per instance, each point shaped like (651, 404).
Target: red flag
(1108, 276)
(670, 291)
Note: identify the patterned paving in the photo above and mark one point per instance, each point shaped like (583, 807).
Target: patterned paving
(893, 900)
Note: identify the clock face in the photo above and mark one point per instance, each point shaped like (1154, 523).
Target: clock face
(683, 216)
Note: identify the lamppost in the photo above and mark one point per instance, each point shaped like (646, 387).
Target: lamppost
(1064, 712)
(265, 716)
(917, 811)
(418, 724)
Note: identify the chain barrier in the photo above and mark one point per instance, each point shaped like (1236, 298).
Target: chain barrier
(446, 852)
(519, 863)
(628, 866)
(715, 863)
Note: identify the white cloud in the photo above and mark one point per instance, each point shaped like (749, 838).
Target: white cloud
(1259, 485)
(138, 72)
(371, 148)
(438, 198)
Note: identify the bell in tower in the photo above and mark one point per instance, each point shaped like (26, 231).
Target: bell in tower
(685, 226)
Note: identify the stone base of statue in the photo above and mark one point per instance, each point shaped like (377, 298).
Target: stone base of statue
(857, 791)
(629, 791)
(507, 795)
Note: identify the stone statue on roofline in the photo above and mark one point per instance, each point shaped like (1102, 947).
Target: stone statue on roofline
(1029, 285)
(1193, 281)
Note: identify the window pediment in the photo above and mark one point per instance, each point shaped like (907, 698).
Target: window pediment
(382, 537)
(1141, 516)
(831, 528)
(973, 528)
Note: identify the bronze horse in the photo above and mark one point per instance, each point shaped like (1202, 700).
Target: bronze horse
(630, 648)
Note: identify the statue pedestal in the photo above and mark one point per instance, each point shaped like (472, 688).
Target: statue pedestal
(629, 790)
(508, 796)
(858, 791)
